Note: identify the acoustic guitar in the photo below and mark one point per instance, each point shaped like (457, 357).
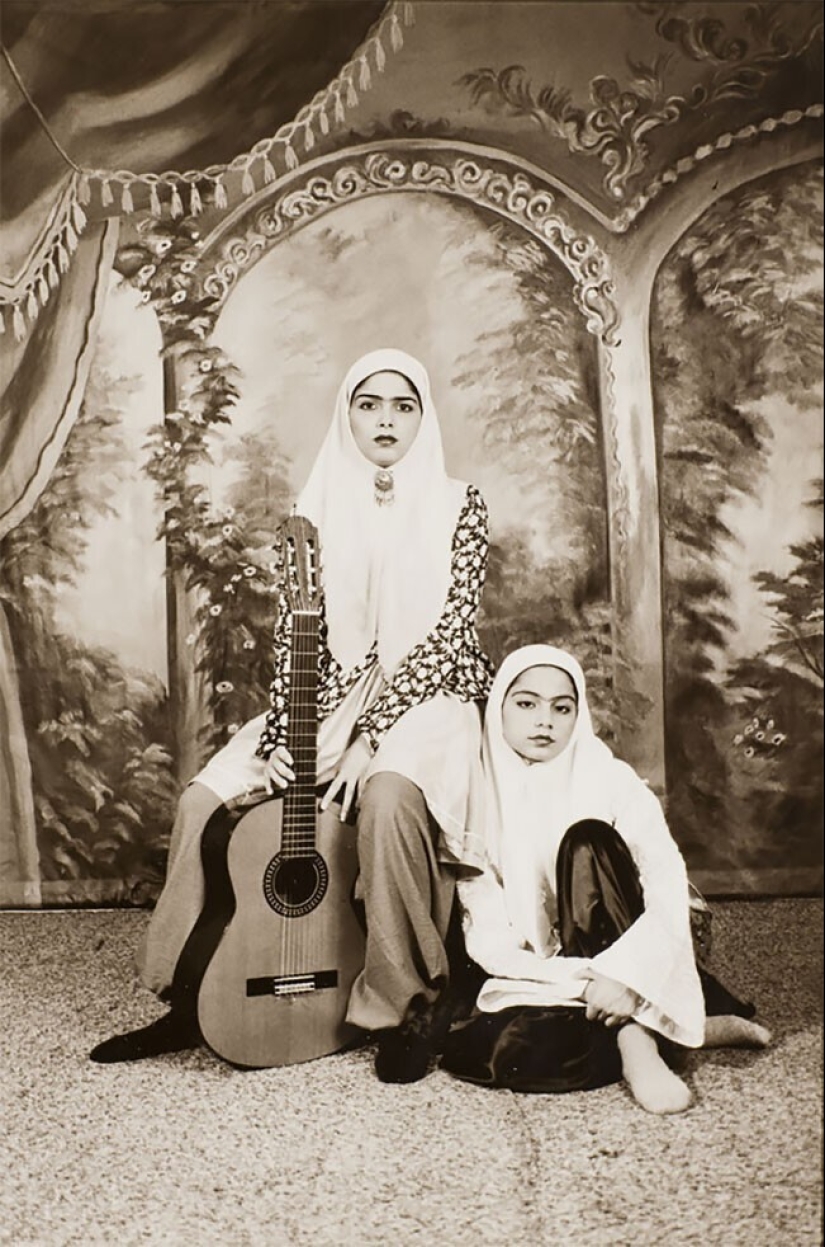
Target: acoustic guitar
(276, 989)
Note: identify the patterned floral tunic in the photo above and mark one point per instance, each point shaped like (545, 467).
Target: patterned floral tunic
(449, 659)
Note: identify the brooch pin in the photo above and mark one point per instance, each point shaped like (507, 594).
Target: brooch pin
(384, 488)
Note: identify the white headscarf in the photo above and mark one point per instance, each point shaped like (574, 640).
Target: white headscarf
(386, 569)
(530, 806)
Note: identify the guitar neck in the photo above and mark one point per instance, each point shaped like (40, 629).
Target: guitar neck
(298, 828)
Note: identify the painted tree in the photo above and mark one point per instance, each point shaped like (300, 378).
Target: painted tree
(97, 731)
(737, 318)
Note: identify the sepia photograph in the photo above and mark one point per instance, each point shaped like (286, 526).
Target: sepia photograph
(411, 622)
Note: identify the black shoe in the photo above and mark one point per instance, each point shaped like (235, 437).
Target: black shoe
(174, 1032)
(405, 1054)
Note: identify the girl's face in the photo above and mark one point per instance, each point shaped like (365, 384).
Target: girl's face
(384, 414)
(539, 713)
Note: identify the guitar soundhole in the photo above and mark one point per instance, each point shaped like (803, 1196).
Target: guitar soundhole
(294, 886)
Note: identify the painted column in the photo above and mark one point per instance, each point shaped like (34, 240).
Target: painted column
(635, 547)
(185, 693)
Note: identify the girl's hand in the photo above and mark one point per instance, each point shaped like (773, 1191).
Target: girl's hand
(608, 1001)
(350, 769)
(279, 772)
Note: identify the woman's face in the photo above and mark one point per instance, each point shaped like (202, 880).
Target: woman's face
(384, 414)
(539, 713)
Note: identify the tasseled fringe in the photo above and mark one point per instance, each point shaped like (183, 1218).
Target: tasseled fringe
(328, 109)
(176, 205)
(380, 56)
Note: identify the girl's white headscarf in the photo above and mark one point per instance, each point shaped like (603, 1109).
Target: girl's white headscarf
(386, 569)
(530, 806)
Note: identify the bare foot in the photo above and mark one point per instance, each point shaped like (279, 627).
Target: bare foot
(729, 1031)
(653, 1085)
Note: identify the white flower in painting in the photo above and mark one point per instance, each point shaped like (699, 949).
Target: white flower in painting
(737, 740)
(205, 365)
(191, 639)
(233, 728)
(224, 686)
(749, 752)
(188, 266)
(178, 297)
(779, 738)
(215, 610)
(250, 571)
(227, 530)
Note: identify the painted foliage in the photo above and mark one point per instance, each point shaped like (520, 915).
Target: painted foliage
(737, 365)
(513, 374)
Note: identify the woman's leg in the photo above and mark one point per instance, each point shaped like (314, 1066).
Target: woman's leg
(599, 897)
(170, 926)
(407, 898)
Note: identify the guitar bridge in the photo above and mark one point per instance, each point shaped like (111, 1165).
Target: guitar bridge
(291, 984)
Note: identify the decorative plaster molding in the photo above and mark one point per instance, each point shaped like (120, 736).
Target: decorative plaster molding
(725, 141)
(617, 126)
(494, 185)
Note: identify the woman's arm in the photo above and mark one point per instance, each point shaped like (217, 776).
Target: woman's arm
(449, 658)
(274, 731)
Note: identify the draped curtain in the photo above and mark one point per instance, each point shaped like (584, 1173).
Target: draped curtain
(113, 84)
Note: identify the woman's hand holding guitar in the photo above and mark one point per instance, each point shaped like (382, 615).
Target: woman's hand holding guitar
(279, 772)
(351, 768)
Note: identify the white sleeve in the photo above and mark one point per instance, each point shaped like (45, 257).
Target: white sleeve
(492, 943)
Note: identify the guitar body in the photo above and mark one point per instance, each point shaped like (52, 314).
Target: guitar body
(276, 989)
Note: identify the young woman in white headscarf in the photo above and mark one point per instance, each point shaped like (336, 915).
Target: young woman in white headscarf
(401, 673)
(580, 921)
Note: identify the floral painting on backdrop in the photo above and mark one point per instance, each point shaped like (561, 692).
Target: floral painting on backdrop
(202, 490)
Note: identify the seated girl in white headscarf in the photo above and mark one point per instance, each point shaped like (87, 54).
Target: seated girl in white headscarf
(403, 554)
(580, 920)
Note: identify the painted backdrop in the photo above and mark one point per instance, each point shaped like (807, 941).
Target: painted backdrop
(736, 376)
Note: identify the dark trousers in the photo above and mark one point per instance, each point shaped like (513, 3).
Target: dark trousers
(524, 1048)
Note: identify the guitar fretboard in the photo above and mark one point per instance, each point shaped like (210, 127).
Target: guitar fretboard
(298, 829)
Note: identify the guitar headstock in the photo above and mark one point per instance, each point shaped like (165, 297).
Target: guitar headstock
(299, 550)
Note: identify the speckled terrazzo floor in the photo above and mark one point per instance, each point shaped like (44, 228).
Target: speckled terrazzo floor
(186, 1150)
